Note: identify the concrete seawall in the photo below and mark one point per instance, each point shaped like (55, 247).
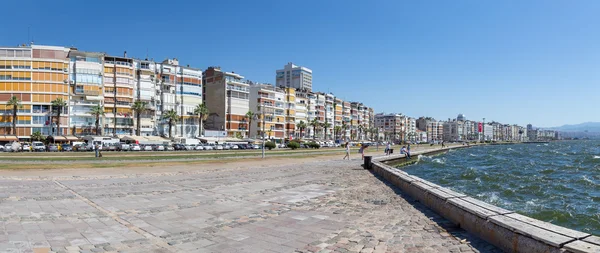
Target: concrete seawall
(503, 228)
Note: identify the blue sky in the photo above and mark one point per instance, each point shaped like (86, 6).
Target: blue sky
(511, 61)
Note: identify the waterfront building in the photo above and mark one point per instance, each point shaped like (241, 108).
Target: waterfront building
(453, 130)
(391, 125)
(119, 84)
(435, 131)
(346, 120)
(329, 112)
(422, 123)
(290, 113)
(227, 98)
(147, 90)
(339, 117)
(36, 75)
(87, 86)
(301, 113)
(267, 102)
(181, 90)
(294, 76)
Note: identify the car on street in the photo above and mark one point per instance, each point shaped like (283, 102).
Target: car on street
(136, 147)
(79, 147)
(234, 147)
(219, 147)
(38, 146)
(255, 146)
(179, 146)
(190, 147)
(26, 146)
(147, 147)
(208, 147)
(67, 148)
(123, 146)
(52, 148)
(159, 148)
(169, 148)
(199, 147)
(8, 147)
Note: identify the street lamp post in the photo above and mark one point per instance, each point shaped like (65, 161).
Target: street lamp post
(262, 112)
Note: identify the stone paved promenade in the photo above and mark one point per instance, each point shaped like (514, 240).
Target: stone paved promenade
(308, 206)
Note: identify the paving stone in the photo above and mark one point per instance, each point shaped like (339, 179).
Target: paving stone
(329, 206)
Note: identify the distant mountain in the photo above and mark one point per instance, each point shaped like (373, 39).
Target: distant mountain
(590, 127)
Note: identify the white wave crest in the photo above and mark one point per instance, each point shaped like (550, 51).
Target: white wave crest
(597, 157)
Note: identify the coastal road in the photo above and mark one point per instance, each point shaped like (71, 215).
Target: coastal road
(304, 205)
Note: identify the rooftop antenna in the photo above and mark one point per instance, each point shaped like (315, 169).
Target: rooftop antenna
(28, 36)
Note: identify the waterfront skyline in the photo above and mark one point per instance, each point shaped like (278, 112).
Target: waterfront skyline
(509, 62)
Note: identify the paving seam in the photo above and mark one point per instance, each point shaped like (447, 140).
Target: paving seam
(155, 240)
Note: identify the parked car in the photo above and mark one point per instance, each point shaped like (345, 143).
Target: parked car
(199, 147)
(26, 146)
(169, 148)
(79, 147)
(159, 148)
(179, 146)
(135, 147)
(208, 147)
(38, 146)
(147, 147)
(234, 147)
(67, 147)
(219, 147)
(8, 147)
(52, 148)
(255, 146)
(123, 146)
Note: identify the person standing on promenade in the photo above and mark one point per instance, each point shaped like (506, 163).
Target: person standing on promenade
(408, 148)
(443, 144)
(388, 148)
(347, 146)
(96, 150)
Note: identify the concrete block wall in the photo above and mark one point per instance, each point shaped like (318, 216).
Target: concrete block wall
(503, 228)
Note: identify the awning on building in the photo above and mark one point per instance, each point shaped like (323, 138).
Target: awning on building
(8, 138)
(71, 138)
(94, 98)
(57, 138)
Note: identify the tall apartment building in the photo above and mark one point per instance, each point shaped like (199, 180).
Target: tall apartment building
(329, 111)
(36, 75)
(148, 90)
(435, 131)
(227, 97)
(119, 85)
(290, 113)
(391, 125)
(339, 116)
(453, 130)
(181, 90)
(294, 76)
(346, 120)
(268, 102)
(301, 112)
(87, 86)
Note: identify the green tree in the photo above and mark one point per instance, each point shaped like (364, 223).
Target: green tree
(97, 111)
(15, 102)
(58, 104)
(249, 116)
(336, 131)
(202, 111)
(301, 126)
(325, 126)
(37, 136)
(139, 107)
(314, 124)
(172, 118)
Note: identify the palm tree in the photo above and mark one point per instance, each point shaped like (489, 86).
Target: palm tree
(172, 117)
(250, 116)
(325, 126)
(97, 111)
(301, 126)
(202, 111)
(139, 107)
(37, 136)
(314, 124)
(336, 131)
(15, 102)
(58, 104)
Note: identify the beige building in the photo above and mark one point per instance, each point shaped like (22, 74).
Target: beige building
(227, 97)
(268, 103)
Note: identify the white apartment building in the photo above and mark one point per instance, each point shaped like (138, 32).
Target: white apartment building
(86, 78)
(294, 76)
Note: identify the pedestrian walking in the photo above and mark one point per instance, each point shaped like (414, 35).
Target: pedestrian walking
(96, 150)
(347, 146)
(362, 150)
(443, 144)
